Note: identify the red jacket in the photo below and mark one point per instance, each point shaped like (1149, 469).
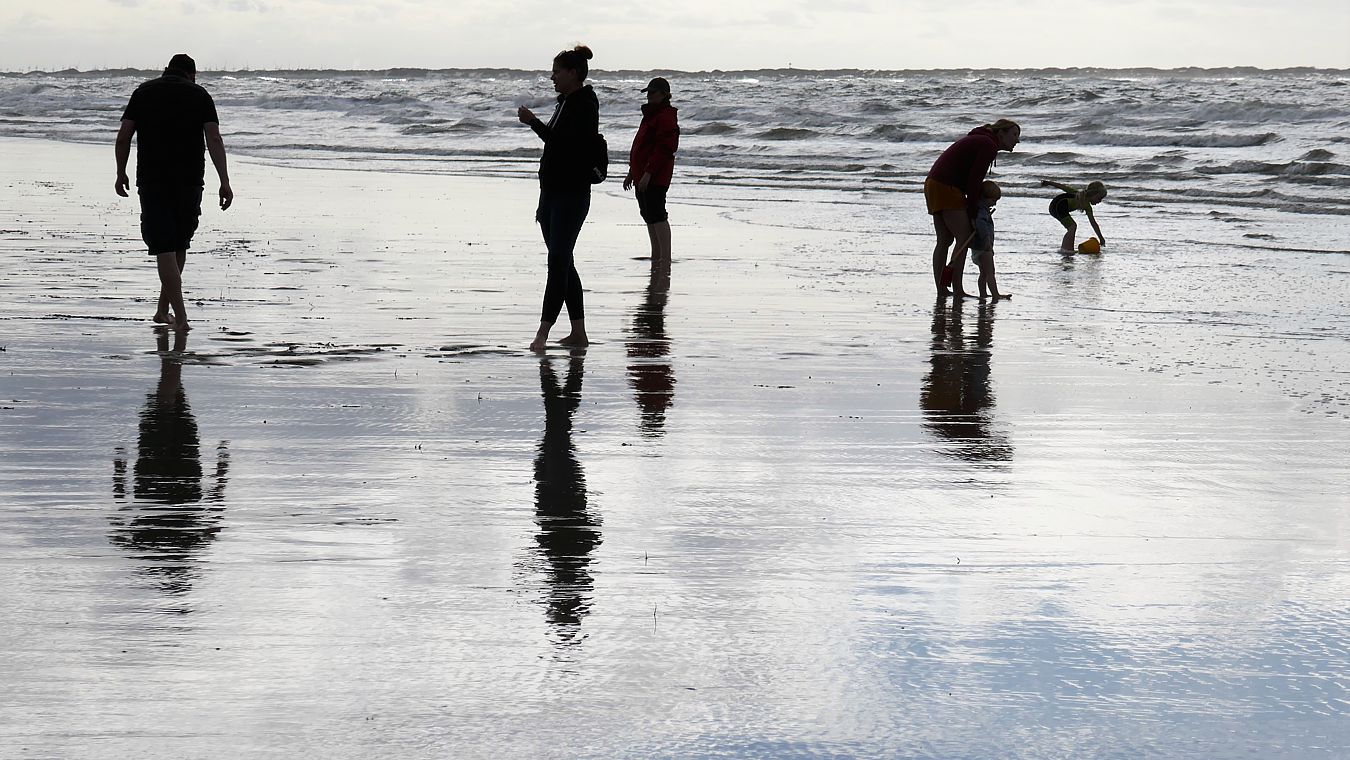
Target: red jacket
(965, 164)
(654, 146)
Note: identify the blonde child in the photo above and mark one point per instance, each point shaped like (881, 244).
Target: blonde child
(1071, 200)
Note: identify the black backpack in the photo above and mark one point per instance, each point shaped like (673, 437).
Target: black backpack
(599, 160)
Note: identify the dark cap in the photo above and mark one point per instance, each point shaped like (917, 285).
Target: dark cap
(659, 84)
(183, 62)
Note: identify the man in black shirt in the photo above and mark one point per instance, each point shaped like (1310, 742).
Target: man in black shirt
(171, 115)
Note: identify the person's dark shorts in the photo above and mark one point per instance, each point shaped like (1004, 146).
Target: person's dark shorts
(1059, 207)
(652, 204)
(169, 217)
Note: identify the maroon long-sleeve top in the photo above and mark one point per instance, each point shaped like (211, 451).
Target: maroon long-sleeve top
(965, 164)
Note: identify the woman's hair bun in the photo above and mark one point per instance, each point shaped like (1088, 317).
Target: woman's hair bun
(575, 59)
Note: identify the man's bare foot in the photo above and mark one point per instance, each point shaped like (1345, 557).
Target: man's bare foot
(960, 294)
(181, 326)
(539, 344)
(574, 340)
(162, 318)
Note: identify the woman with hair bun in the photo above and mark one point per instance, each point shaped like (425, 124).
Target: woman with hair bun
(565, 176)
(952, 192)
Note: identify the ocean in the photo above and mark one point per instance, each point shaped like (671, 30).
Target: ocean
(787, 504)
(1241, 139)
(1221, 181)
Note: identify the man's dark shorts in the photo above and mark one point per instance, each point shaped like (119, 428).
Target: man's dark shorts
(652, 204)
(169, 216)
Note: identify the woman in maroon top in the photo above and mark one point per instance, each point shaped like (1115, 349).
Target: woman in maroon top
(952, 192)
(651, 163)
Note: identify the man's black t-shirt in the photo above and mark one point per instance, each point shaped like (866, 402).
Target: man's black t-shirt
(169, 113)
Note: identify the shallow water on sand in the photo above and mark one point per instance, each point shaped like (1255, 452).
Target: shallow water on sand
(770, 513)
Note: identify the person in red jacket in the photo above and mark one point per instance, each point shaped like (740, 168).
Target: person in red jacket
(651, 164)
(952, 191)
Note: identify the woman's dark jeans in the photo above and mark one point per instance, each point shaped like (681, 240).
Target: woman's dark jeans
(560, 217)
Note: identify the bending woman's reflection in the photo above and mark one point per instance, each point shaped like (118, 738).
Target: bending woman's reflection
(649, 369)
(170, 514)
(956, 397)
(568, 532)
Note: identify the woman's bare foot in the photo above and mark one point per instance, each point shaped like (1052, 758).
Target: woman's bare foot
(540, 341)
(181, 325)
(162, 317)
(577, 338)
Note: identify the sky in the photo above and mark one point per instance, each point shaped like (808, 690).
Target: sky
(690, 35)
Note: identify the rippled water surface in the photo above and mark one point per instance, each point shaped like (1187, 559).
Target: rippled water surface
(1225, 139)
(785, 506)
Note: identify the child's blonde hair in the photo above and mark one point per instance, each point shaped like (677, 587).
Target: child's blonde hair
(992, 191)
(1097, 189)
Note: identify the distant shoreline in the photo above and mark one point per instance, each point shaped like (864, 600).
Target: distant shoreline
(1185, 71)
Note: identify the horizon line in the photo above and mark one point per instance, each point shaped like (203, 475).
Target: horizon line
(765, 70)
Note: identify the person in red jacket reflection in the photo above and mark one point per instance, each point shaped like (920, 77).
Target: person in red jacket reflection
(651, 163)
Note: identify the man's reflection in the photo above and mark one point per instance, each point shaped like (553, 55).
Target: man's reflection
(649, 369)
(171, 513)
(956, 397)
(568, 533)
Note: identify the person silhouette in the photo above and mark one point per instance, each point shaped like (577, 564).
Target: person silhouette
(174, 121)
(651, 164)
(951, 192)
(956, 396)
(649, 369)
(568, 531)
(171, 513)
(566, 173)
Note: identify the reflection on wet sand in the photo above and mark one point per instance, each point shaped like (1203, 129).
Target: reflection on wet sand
(568, 532)
(649, 369)
(956, 396)
(170, 514)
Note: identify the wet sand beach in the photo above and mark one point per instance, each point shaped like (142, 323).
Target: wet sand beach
(787, 504)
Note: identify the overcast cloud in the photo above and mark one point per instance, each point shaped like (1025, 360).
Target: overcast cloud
(689, 34)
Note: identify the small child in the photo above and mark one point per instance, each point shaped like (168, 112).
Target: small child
(982, 240)
(1071, 200)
